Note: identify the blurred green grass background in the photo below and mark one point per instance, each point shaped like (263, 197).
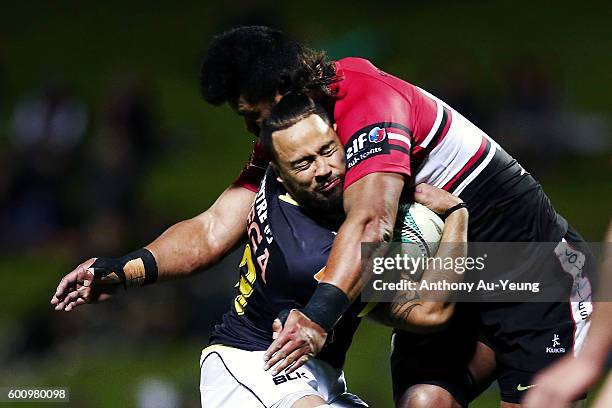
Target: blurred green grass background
(87, 44)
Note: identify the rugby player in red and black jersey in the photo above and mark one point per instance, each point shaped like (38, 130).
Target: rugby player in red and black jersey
(395, 135)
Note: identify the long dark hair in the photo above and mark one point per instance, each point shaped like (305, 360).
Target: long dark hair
(256, 62)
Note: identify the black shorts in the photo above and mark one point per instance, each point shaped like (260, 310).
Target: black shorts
(438, 359)
(506, 204)
(528, 337)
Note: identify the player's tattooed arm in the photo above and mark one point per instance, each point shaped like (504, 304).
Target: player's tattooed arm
(418, 311)
(436, 308)
(398, 314)
(184, 248)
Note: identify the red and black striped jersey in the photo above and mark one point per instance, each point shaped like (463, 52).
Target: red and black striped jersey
(389, 125)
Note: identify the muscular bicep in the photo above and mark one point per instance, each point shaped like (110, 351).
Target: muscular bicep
(225, 221)
(203, 240)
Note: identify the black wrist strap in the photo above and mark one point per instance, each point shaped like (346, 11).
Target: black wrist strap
(326, 306)
(451, 210)
(149, 262)
(137, 268)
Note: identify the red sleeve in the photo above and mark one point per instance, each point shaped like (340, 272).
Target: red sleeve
(253, 172)
(374, 124)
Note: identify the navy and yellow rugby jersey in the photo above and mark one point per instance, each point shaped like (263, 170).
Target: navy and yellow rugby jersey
(282, 260)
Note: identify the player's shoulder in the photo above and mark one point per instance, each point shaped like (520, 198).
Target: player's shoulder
(360, 79)
(366, 94)
(355, 64)
(354, 71)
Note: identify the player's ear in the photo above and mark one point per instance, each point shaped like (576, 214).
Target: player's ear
(275, 168)
(335, 127)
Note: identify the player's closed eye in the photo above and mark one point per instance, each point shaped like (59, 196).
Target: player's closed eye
(328, 151)
(301, 166)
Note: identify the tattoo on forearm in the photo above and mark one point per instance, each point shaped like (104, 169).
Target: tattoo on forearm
(403, 305)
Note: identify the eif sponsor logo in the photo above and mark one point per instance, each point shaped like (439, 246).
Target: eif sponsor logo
(365, 145)
(377, 135)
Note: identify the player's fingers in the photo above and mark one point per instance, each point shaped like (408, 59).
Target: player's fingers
(70, 297)
(542, 396)
(293, 361)
(72, 305)
(281, 363)
(69, 306)
(422, 193)
(273, 359)
(300, 357)
(277, 327)
(80, 296)
(279, 355)
(284, 357)
(68, 281)
(275, 347)
(62, 303)
(64, 284)
(85, 294)
(85, 279)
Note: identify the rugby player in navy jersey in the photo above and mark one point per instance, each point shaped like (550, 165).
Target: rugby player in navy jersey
(395, 134)
(290, 231)
(291, 228)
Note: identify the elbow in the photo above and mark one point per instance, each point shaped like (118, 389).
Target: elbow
(207, 247)
(435, 318)
(430, 318)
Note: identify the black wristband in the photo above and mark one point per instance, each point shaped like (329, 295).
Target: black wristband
(137, 268)
(451, 210)
(148, 260)
(326, 306)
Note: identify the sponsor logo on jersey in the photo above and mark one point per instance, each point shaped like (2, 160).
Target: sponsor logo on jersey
(555, 349)
(366, 145)
(377, 135)
(280, 379)
(524, 387)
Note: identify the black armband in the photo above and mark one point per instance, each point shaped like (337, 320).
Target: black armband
(326, 306)
(137, 268)
(451, 210)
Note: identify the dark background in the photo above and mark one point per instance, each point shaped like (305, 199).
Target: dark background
(105, 142)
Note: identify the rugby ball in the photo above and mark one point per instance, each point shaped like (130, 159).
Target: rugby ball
(418, 225)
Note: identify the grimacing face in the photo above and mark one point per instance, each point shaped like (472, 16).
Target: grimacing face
(310, 163)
